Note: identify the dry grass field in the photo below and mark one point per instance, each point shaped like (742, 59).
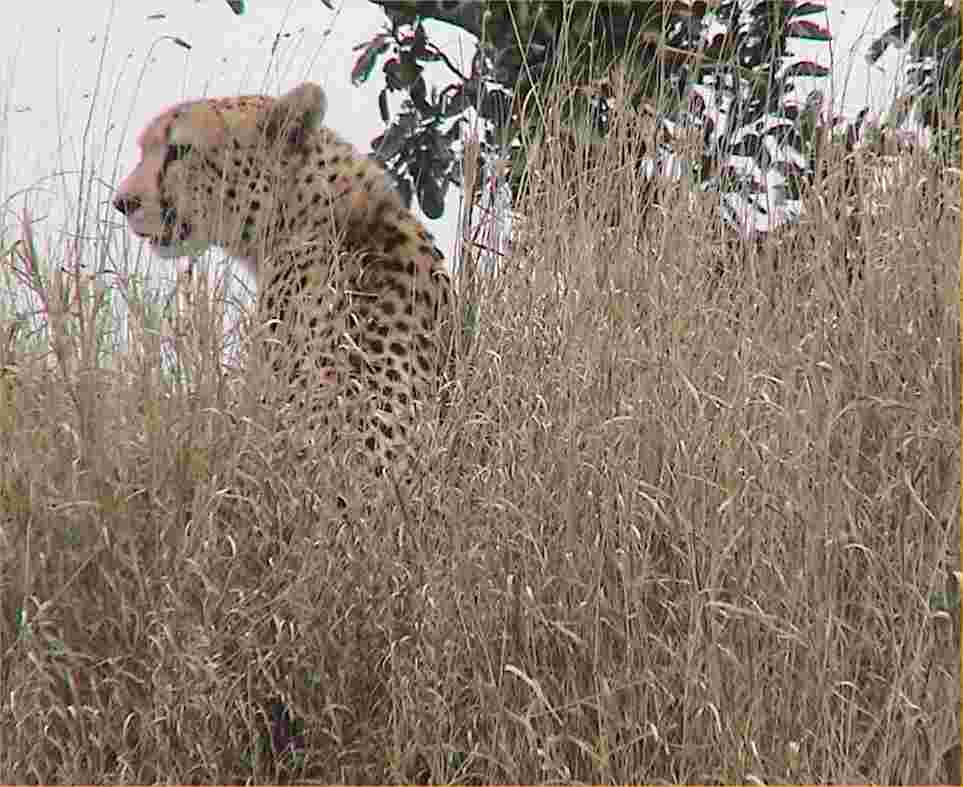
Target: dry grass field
(693, 515)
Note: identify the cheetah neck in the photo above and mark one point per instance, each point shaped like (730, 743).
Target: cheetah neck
(336, 200)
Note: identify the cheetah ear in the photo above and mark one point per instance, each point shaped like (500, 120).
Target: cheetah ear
(296, 114)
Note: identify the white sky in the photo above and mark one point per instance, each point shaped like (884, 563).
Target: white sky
(66, 61)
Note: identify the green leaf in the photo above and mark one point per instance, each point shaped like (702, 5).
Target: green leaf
(472, 324)
(945, 602)
(20, 621)
(237, 6)
(409, 71)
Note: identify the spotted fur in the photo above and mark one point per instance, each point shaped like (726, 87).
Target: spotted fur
(351, 285)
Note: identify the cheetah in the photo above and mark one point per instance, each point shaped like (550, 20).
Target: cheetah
(353, 291)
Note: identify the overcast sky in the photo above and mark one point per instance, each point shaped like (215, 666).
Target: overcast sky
(65, 62)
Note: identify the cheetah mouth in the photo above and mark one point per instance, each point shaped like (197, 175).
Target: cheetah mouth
(169, 224)
(143, 227)
(157, 241)
(172, 240)
(173, 233)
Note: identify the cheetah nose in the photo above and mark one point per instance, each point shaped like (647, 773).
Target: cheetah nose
(126, 205)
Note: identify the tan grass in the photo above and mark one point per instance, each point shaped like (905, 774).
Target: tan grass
(677, 526)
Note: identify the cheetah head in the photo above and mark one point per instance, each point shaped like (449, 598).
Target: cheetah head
(209, 171)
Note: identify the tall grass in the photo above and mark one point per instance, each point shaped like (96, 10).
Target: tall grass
(693, 516)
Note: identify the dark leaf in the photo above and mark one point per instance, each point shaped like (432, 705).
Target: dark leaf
(419, 47)
(401, 74)
(453, 101)
(747, 146)
(747, 64)
(755, 186)
(802, 28)
(404, 189)
(805, 68)
(383, 105)
(409, 70)
(496, 106)
(786, 135)
(896, 36)
(807, 9)
(419, 93)
(388, 145)
(431, 197)
(453, 134)
(788, 169)
(392, 72)
(368, 58)
(237, 6)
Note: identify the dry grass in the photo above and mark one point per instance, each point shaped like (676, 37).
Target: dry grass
(677, 527)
